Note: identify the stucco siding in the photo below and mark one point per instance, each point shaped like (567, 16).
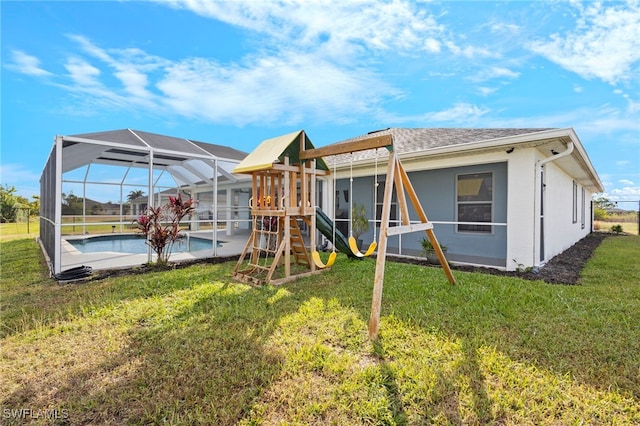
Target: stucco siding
(436, 190)
(562, 229)
(521, 208)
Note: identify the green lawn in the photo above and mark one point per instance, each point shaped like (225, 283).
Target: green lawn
(13, 231)
(190, 346)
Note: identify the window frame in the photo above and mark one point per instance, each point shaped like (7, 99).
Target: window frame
(394, 218)
(583, 209)
(574, 211)
(491, 203)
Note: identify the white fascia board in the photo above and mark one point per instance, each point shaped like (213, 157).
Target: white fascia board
(586, 161)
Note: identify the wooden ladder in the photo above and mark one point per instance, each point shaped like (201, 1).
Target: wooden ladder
(297, 243)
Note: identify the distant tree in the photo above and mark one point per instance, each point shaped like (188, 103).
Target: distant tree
(601, 207)
(10, 203)
(8, 199)
(71, 204)
(133, 195)
(35, 204)
(604, 203)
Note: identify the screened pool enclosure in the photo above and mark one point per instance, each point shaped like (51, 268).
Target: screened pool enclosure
(95, 184)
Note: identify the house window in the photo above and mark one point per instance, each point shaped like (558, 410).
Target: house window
(583, 208)
(474, 195)
(393, 214)
(575, 202)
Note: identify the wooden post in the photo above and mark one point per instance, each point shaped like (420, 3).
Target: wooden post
(376, 302)
(286, 221)
(423, 218)
(312, 229)
(402, 199)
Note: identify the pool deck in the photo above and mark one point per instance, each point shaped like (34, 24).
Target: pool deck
(232, 245)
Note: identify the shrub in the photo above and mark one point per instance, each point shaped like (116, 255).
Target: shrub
(161, 225)
(359, 221)
(616, 228)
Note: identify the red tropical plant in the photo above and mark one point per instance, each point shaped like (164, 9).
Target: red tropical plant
(161, 225)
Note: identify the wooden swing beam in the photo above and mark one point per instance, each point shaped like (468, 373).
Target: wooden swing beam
(396, 176)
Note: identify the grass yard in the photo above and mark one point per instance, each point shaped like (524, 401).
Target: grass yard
(14, 231)
(190, 346)
(627, 227)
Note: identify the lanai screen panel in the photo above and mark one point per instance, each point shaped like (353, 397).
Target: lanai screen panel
(48, 206)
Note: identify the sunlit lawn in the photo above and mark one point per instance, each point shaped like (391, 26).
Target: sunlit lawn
(190, 346)
(13, 231)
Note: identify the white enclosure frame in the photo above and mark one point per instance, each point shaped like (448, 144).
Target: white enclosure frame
(191, 164)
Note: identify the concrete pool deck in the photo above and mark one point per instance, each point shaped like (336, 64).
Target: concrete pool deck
(232, 245)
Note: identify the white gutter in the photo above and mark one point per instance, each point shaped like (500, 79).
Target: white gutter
(564, 153)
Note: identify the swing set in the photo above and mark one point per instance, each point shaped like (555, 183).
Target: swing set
(285, 169)
(353, 244)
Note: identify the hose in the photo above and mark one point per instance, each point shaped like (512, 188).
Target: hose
(76, 273)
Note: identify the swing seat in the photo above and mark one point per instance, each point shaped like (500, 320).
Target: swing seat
(319, 264)
(353, 245)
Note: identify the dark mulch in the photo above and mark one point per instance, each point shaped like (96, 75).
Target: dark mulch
(564, 268)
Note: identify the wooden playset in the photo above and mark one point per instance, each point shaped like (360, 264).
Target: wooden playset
(284, 172)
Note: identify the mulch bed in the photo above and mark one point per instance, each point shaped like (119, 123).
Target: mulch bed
(564, 268)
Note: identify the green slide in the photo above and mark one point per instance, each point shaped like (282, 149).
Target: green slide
(325, 226)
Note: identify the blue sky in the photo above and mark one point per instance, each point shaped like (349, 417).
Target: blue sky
(236, 73)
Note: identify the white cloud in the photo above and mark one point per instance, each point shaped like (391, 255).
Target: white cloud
(486, 91)
(470, 52)
(339, 25)
(494, 73)
(26, 64)
(130, 66)
(504, 28)
(604, 44)
(83, 73)
(625, 182)
(432, 45)
(627, 193)
(632, 106)
(459, 113)
(268, 89)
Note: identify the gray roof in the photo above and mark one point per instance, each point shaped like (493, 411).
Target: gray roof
(189, 162)
(408, 140)
(139, 138)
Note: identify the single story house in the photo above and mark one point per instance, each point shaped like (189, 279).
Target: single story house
(507, 198)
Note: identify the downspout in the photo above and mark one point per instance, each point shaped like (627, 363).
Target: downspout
(538, 195)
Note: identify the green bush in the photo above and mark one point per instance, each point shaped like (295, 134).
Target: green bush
(616, 228)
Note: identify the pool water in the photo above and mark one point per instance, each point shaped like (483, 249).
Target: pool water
(135, 244)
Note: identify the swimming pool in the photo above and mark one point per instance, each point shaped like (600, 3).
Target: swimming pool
(135, 244)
